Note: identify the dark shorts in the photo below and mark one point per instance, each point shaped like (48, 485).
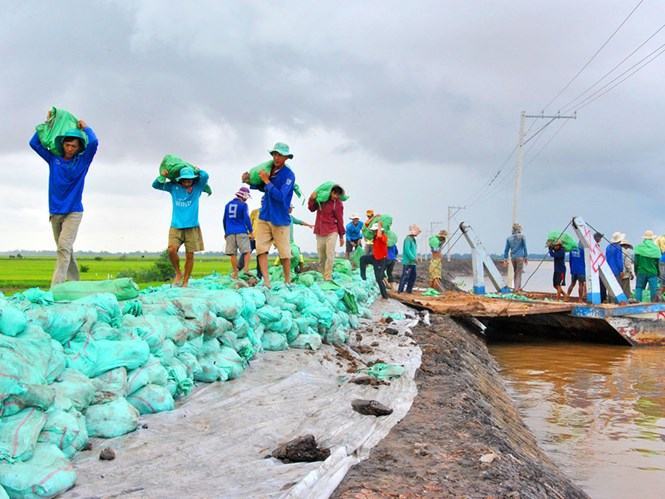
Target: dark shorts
(559, 279)
(577, 278)
(352, 245)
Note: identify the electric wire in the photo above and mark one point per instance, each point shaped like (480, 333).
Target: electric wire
(567, 85)
(570, 104)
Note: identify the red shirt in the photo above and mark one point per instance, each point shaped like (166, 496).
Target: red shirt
(329, 217)
(380, 247)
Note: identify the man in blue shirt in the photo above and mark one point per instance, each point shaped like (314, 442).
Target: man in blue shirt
(274, 220)
(67, 174)
(519, 255)
(185, 194)
(237, 228)
(354, 234)
(614, 255)
(577, 272)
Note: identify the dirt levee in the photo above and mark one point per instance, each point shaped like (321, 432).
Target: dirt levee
(462, 436)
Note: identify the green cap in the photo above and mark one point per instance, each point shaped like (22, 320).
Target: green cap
(281, 148)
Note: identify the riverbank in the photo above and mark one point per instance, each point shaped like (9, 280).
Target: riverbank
(462, 436)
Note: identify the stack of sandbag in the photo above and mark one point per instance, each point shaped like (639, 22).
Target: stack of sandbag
(91, 367)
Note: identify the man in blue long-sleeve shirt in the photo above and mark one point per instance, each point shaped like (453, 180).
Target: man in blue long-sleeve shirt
(274, 221)
(237, 228)
(185, 194)
(558, 253)
(519, 255)
(65, 192)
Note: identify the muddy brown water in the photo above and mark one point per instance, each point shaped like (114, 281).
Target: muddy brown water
(598, 411)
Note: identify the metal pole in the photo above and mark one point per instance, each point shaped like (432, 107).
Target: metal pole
(520, 165)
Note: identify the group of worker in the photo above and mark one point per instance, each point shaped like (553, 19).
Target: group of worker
(269, 226)
(644, 263)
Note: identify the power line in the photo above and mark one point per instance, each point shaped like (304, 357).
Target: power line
(569, 104)
(608, 86)
(567, 85)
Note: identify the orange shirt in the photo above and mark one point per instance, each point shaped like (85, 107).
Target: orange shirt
(380, 248)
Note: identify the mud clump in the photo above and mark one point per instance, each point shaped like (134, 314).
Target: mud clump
(370, 408)
(301, 450)
(107, 454)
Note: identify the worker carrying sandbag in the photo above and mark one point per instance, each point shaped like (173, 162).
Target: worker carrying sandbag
(327, 201)
(68, 145)
(277, 181)
(185, 194)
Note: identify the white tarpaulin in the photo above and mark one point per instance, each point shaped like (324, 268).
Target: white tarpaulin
(215, 443)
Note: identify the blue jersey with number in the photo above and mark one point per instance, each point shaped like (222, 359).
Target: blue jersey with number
(236, 218)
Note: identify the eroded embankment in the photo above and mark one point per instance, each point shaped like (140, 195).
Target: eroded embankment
(462, 413)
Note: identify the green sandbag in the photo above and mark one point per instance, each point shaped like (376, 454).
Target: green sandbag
(211, 371)
(95, 357)
(295, 255)
(180, 383)
(124, 288)
(3, 494)
(254, 178)
(19, 433)
(431, 292)
(110, 385)
(356, 255)
(12, 320)
(76, 387)
(111, 419)
(47, 474)
(386, 224)
(62, 322)
(57, 362)
(58, 124)
(66, 430)
(307, 341)
(39, 396)
(172, 165)
(152, 399)
(566, 239)
(153, 372)
(274, 342)
(392, 238)
(383, 371)
(342, 266)
(323, 192)
(231, 362)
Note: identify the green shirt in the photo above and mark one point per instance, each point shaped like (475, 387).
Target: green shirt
(409, 251)
(646, 265)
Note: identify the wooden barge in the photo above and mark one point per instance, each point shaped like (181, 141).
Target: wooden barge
(504, 319)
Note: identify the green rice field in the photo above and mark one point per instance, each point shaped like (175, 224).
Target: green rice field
(17, 274)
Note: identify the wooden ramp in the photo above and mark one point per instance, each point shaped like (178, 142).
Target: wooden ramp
(458, 304)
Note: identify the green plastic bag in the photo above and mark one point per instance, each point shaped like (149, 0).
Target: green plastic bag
(434, 242)
(124, 288)
(567, 241)
(431, 292)
(307, 341)
(19, 433)
(386, 224)
(47, 474)
(12, 320)
(153, 372)
(392, 238)
(342, 266)
(274, 342)
(151, 399)
(39, 396)
(62, 322)
(75, 387)
(323, 192)
(266, 166)
(95, 357)
(66, 430)
(171, 165)
(383, 371)
(58, 124)
(356, 255)
(111, 419)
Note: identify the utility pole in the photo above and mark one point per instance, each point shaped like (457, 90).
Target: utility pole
(521, 142)
(452, 211)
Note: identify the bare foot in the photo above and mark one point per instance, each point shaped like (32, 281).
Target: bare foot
(177, 279)
(185, 283)
(234, 275)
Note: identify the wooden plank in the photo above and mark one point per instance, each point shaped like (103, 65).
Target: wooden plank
(465, 304)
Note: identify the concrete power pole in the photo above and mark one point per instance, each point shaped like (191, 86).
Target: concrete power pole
(452, 211)
(519, 167)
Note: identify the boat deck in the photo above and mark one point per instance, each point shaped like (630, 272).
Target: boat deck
(459, 304)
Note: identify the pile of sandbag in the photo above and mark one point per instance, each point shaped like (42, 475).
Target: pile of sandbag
(91, 367)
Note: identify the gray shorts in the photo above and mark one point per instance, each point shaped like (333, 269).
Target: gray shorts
(237, 243)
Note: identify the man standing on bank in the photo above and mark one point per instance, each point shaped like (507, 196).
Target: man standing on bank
(274, 221)
(65, 191)
(328, 227)
(519, 255)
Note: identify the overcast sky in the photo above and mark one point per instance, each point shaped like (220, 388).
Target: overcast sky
(411, 106)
